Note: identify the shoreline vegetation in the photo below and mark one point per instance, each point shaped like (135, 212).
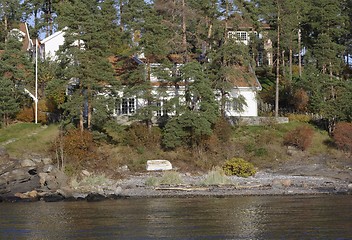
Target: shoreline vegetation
(280, 169)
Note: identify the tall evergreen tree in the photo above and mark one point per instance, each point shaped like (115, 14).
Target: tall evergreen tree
(84, 56)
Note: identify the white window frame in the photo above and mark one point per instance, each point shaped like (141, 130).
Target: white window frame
(127, 106)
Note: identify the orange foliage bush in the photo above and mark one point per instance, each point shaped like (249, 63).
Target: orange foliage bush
(300, 100)
(27, 113)
(343, 136)
(76, 146)
(300, 137)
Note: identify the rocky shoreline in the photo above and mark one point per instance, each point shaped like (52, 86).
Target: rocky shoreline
(37, 179)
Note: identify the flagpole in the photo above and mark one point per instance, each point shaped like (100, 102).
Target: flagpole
(36, 81)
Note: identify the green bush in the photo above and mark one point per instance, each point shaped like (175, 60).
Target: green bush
(238, 167)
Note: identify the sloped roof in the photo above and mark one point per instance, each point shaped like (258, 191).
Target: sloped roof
(27, 42)
(242, 77)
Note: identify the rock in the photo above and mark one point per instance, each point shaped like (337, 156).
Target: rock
(281, 183)
(293, 151)
(65, 192)
(3, 153)
(48, 168)
(85, 173)
(124, 168)
(349, 188)
(42, 179)
(53, 198)
(95, 197)
(28, 163)
(158, 165)
(47, 161)
(53, 180)
(32, 194)
(78, 195)
(21, 195)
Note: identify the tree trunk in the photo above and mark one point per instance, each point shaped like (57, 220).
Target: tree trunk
(277, 63)
(299, 53)
(5, 27)
(283, 62)
(184, 29)
(89, 111)
(290, 65)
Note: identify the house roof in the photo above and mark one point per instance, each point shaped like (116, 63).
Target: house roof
(52, 36)
(27, 42)
(242, 77)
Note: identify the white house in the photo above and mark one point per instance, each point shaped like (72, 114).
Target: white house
(244, 82)
(50, 45)
(242, 31)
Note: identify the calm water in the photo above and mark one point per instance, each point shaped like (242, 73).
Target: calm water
(287, 217)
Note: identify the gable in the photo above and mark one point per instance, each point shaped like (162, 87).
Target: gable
(242, 77)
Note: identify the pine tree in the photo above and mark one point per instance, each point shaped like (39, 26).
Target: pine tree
(84, 56)
(8, 104)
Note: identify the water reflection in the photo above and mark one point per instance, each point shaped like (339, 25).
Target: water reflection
(304, 217)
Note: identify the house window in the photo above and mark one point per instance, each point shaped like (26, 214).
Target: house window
(241, 36)
(161, 111)
(127, 106)
(260, 59)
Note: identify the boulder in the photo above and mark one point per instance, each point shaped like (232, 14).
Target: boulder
(158, 165)
(47, 161)
(28, 163)
(48, 168)
(53, 198)
(3, 153)
(95, 197)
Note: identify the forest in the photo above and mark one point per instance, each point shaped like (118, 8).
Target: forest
(310, 74)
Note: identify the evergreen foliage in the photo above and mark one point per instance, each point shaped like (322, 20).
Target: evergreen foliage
(311, 50)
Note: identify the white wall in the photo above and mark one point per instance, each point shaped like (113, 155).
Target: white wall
(52, 44)
(250, 97)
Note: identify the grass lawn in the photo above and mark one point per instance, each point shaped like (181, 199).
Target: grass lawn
(21, 139)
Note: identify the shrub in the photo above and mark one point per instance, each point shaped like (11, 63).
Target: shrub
(216, 177)
(74, 147)
(152, 181)
(343, 136)
(139, 135)
(300, 100)
(299, 117)
(300, 137)
(168, 178)
(223, 130)
(27, 113)
(171, 178)
(239, 167)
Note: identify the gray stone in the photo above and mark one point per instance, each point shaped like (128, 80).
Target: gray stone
(85, 173)
(123, 168)
(158, 165)
(48, 168)
(3, 152)
(47, 161)
(28, 163)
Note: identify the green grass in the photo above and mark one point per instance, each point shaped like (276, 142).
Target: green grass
(21, 139)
